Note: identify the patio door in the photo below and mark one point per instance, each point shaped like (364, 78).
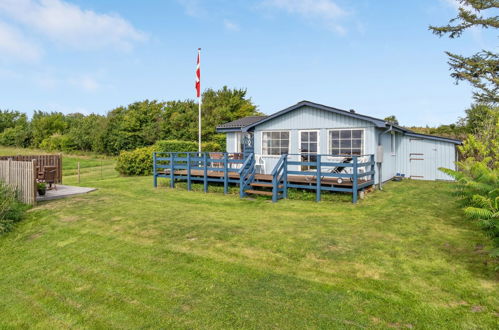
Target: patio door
(309, 147)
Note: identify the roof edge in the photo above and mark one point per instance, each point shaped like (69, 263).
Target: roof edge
(434, 137)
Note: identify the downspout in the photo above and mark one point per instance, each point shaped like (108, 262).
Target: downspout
(380, 157)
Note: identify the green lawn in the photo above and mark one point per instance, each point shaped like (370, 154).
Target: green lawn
(131, 256)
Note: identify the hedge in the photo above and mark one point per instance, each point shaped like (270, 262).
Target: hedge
(139, 161)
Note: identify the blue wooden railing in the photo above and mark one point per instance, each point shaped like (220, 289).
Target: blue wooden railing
(246, 174)
(183, 166)
(315, 176)
(222, 163)
(280, 179)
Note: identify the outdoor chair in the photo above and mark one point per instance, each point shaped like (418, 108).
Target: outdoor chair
(50, 176)
(217, 155)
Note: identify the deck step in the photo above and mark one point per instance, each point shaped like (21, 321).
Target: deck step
(258, 192)
(263, 184)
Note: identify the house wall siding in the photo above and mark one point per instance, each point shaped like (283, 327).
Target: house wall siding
(308, 118)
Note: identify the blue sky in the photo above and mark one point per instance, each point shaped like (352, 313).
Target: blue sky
(375, 56)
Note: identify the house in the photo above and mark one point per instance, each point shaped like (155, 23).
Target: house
(308, 129)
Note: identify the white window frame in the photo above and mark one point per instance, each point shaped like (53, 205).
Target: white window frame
(271, 131)
(362, 150)
(393, 143)
(238, 141)
(318, 139)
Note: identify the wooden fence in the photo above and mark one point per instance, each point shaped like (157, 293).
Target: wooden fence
(41, 162)
(21, 175)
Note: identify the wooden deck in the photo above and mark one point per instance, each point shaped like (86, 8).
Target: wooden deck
(296, 179)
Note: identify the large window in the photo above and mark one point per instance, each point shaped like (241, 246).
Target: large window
(346, 141)
(275, 143)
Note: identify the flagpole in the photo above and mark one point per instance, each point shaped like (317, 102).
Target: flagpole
(199, 103)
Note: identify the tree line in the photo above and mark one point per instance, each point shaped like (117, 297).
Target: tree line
(126, 127)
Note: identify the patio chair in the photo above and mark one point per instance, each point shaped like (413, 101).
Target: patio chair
(50, 176)
(217, 155)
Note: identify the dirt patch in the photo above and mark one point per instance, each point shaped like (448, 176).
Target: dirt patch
(34, 236)
(70, 218)
(476, 309)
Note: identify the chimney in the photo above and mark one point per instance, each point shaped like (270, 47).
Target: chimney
(352, 111)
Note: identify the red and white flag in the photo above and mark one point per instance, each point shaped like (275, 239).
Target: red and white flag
(198, 75)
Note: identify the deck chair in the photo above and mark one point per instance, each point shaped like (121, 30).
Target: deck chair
(260, 164)
(217, 155)
(50, 176)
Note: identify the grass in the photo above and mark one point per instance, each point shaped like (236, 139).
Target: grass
(131, 256)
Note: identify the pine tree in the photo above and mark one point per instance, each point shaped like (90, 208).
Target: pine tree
(482, 68)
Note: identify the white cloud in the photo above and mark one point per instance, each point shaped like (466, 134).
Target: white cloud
(14, 44)
(192, 7)
(231, 26)
(326, 11)
(69, 25)
(85, 82)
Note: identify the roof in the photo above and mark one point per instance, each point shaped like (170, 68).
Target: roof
(237, 124)
(433, 137)
(247, 123)
(377, 122)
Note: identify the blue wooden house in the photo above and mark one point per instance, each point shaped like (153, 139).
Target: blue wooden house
(311, 146)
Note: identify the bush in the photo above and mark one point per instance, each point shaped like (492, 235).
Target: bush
(19, 136)
(11, 210)
(58, 142)
(135, 162)
(185, 146)
(139, 161)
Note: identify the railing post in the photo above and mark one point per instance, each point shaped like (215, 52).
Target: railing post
(285, 178)
(355, 191)
(373, 167)
(205, 178)
(189, 171)
(318, 180)
(226, 176)
(274, 189)
(155, 178)
(172, 169)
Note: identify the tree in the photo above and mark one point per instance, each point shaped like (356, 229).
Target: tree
(392, 119)
(482, 68)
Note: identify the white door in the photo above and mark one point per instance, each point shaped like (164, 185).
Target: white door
(423, 165)
(309, 147)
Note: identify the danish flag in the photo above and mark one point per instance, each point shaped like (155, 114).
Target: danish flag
(198, 75)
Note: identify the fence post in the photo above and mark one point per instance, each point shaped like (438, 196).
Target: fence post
(318, 180)
(355, 191)
(205, 178)
(155, 178)
(35, 183)
(285, 178)
(9, 164)
(226, 177)
(189, 171)
(373, 167)
(172, 168)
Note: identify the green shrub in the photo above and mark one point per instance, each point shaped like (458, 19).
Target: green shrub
(11, 210)
(185, 146)
(58, 142)
(19, 136)
(135, 162)
(139, 161)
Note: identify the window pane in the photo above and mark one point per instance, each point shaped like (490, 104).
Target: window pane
(285, 135)
(357, 133)
(346, 134)
(335, 144)
(304, 147)
(356, 144)
(285, 144)
(313, 147)
(335, 151)
(355, 151)
(345, 144)
(313, 136)
(334, 134)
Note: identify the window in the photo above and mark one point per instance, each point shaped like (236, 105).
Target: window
(275, 143)
(393, 143)
(239, 147)
(346, 141)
